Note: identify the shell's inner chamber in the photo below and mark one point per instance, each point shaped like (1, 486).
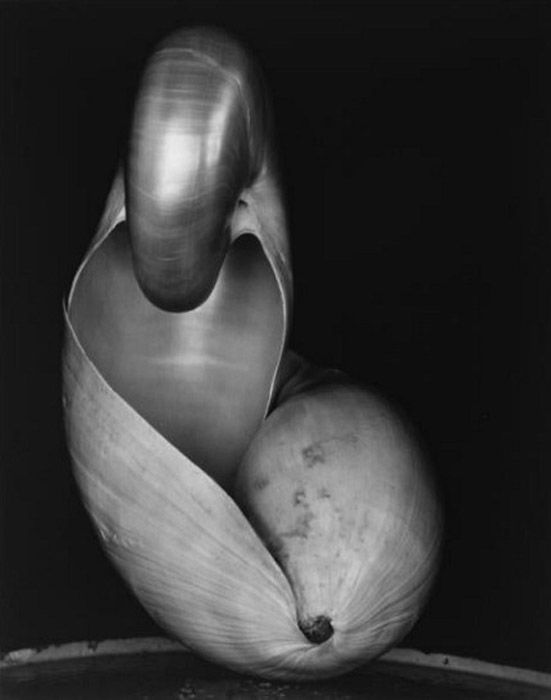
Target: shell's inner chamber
(202, 378)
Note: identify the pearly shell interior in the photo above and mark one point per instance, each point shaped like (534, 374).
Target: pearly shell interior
(201, 378)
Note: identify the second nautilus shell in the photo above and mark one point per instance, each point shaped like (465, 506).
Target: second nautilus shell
(277, 518)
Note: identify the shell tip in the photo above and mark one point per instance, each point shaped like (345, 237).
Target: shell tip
(316, 629)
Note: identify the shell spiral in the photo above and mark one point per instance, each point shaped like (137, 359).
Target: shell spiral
(175, 354)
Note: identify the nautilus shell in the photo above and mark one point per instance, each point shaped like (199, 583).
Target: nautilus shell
(180, 394)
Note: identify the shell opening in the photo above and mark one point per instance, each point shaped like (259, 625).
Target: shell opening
(190, 375)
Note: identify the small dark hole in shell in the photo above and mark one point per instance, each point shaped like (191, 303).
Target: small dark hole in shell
(316, 629)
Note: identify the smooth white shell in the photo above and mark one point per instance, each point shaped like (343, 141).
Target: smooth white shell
(161, 405)
(338, 488)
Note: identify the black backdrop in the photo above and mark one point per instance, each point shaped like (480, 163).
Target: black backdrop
(414, 140)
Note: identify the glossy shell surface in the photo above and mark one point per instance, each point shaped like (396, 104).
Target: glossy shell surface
(176, 330)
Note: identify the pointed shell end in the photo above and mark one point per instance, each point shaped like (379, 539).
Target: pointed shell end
(316, 629)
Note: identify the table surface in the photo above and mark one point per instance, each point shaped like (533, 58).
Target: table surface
(172, 674)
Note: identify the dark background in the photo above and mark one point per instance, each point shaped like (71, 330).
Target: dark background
(414, 140)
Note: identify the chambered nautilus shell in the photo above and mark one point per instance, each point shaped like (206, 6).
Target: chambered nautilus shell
(276, 518)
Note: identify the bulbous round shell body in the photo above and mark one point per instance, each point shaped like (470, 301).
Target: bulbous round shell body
(337, 487)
